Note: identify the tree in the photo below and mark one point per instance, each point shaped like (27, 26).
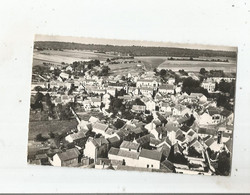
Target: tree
(163, 72)
(224, 163)
(119, 123)
(203, 71)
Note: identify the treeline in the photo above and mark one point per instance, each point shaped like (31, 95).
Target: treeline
(134, 50)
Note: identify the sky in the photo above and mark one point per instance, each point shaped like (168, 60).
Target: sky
(103, 41)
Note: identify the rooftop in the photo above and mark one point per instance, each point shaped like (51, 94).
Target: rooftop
(151, 154)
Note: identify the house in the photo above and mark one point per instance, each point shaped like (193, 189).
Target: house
(180, 110)
(96, 148)
(75, 136)
(209, 86)
(69, 68)
(93, 120)
(146, 83)
(95, 101)
(128, 158)
(114, 142)
(150, 105)
(86, 104)
(130, 146)
(166, 89)
(197, 145)
(111, 90)
(168, 166)
(100, 128)
(64, 76)
(84, 126)
(197, 97)
(144, 141)
(171, 81)
(147, 91)
(215, 114)
(150, 158)
(68, 158)
(138, 108)
(165, 108)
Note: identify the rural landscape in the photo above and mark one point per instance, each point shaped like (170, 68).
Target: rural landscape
(135, 108)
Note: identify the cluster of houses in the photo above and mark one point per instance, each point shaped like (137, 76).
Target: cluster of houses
(181, 124)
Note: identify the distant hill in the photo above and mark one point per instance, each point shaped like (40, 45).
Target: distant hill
(134, 50)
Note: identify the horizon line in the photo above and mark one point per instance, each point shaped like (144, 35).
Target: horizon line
(123, 42)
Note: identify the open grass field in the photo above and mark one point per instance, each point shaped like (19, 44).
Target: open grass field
(66, 56)
(55, 126)
(195, 66)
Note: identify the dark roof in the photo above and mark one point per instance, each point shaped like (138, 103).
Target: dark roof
(130, 145)
(213, 110)
(99, 141)
(154, 141)
(144, 139)
(165, 149)
(225, 113)
(170, 127)
(209, 142)
(185, 128)
(166, 164)
(191, 133)
(128, 154)
(100, 126)
(177, 148)
(151, 154)
(113, 139)
(69, 154)
(113, 151)
(181, 137)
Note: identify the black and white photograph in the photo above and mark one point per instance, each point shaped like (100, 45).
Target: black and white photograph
(132, 105)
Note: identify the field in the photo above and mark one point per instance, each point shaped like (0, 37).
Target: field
(44, 127)
(66, 56)
(195, 66)
(149, 62)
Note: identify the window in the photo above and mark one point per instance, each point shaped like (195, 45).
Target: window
(152, 166)
(147, 166)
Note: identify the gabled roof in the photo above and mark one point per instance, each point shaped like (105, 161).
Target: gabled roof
(178, 148)
(113, 139)
(99, 141)
(69, 154)
(144, 139)
(130, 145)
(167, 87)
(151, 154)
(166, 164)
(185, 128)
(78, 135)
(165, 149)
(113, 151)
(100, 126)
(191, 132)
(171, 127)
(226, 113)
(154, 141)
(212, 110)
(209, 142)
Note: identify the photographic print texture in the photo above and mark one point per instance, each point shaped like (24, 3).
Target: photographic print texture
(132, 105)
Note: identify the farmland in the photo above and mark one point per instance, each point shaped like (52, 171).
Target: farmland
(55, 126)
(66, 56)
(195, 66)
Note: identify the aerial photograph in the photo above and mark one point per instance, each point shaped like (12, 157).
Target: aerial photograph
(132, 105)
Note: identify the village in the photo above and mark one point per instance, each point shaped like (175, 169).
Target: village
(150, 120)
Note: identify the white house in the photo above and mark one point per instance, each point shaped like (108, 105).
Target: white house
(150, 159)
(96, 148)
(209, 86)
(150, 105)
(146, 83)
(166, 89)
(68, 158)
